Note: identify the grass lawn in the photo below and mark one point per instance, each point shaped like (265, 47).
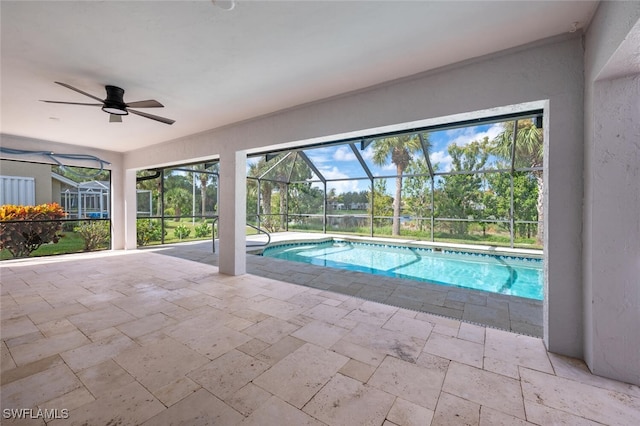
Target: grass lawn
(171, 226)
(71, 242)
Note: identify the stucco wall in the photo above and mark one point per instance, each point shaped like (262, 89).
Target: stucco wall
(613, 270)
(612, 196)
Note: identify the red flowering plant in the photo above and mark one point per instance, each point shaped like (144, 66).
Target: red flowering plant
(24, 229)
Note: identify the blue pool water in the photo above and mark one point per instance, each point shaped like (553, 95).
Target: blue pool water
(498, 274)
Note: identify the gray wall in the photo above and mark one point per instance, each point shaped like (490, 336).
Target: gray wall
(612, 194)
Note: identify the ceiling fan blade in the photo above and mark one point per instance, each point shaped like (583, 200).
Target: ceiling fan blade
(151, 103)
(153, 117)
(79, 91)
(115, 118)
(70, 103)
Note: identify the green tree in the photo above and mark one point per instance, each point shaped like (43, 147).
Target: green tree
(381, 201)
(352, 197)
(252, 189)
(417, 190)
(400, 150)
(204, 178)
(274, 177)
(178, 199)
(528, 153)
(525, 193)
(497, 197)
(178, 190)
(305, 199)
(460, 194)
(332, 197)
(525, 199)
(260, 187)
(81, 174)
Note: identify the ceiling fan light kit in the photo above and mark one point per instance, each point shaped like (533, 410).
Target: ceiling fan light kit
(224, 4)
(115, 106)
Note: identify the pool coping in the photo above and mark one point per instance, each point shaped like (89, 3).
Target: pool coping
(436, 246)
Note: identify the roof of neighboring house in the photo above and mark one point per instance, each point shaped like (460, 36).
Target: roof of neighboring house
(63, 179)
(94, 184)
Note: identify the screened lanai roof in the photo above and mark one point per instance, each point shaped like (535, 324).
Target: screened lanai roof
(429, 151)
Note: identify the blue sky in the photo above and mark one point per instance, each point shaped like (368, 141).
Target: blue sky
(338, 162)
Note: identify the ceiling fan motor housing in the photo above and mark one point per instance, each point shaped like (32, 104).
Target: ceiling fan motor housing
(114, 104)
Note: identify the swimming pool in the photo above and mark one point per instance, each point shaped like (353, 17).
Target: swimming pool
(516, 276)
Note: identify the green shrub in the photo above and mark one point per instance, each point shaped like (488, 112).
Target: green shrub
(29, 227)
(203, 230)
(95, 234)
(181, 231)
(147, 231)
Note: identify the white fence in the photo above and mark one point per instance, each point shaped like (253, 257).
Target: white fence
(17, 190)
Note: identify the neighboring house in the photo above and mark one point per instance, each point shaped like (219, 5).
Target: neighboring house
(359, 206)
(30, 184)
(81, 200)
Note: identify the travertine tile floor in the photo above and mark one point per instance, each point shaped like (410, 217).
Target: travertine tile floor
(126, 338)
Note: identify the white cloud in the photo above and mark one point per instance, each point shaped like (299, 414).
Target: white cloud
(390, 167)
(334, 173)
(345, 186)
(343, 153)
(367, 154)
(442, 158)
(319, 158)
(462, 137)
(341, 186)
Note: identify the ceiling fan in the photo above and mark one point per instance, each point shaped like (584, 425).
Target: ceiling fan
(115, 106)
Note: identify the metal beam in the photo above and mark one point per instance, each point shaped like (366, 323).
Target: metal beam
(312, 166)
(425, 152)
(361, 161)
(276, 165)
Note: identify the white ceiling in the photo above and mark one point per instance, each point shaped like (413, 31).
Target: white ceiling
(211, 67)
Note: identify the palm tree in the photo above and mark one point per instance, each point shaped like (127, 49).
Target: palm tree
(178, 198)
(204, 179)
(400, 149)
(528, 154)
(266, 187)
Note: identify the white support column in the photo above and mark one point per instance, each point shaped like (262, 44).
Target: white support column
(130, 210)
(232, 223)
(117, 212)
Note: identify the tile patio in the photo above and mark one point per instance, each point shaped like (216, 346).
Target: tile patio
(140, 338)
(505, 312)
